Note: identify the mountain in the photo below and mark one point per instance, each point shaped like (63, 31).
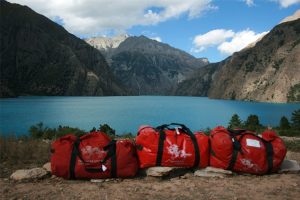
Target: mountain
(269, 71)
(293, 17)
(149, 67)
(39, 57)
(106, 44)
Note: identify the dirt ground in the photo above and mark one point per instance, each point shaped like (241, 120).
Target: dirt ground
(275, 186)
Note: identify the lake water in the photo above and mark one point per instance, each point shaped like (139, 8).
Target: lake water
(126, 114)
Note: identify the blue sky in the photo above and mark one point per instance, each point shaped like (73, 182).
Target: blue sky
(229, 15)
(204, 28)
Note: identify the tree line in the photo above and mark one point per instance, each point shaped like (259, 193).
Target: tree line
(286, 127)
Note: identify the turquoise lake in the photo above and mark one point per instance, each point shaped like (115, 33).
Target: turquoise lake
(126, 114)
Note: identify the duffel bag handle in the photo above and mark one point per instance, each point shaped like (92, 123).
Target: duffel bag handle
(187, 131)
(111, 153)
(182, 126)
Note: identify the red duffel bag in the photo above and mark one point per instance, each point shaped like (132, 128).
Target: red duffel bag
(172, 147)
(244, 151)
(93, 155)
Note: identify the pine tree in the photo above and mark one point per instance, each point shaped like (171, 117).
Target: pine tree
(235, 122)
(252, 123)
(296, 119)
(284, 123)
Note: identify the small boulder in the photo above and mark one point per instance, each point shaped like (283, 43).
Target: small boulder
(159, 171)
(29, 174)
(218, 170)
(47, 167)
(97, 180)
(289, 166)
(212, 172)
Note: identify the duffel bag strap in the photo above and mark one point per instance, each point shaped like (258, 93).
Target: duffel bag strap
(162, 138)
(236, 144)
(270, 153)
(112, 153)
(111, 147)
(74, 154)
(236, 148)
(161, 141)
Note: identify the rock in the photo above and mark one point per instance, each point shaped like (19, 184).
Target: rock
(289, 166)
(47, 167)
(218, 170)
(186, 176)
(28, 174)
(212, 172)
(97, 180)
(159, 171)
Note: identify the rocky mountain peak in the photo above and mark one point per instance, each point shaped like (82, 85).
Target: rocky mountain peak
(105, 43)
(293, 17)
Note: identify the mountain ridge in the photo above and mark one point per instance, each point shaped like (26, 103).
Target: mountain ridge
(39, 57)
(149, 67)
(268, 72)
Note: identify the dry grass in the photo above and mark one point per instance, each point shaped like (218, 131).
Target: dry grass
(22, 153)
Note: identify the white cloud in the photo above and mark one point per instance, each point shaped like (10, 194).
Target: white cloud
(158, 39)
(239, 41)
(211, 38)
(91, 17)
(226, 41)
(286, 3)
(249, 2)
(283, 3)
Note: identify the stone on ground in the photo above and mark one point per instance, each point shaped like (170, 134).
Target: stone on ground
(289, 166)
(212, 172)
(47, 167)
(159, 171)
(28, 174)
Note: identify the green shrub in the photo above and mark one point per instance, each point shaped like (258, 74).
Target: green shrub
(105, 128)
(38, 131)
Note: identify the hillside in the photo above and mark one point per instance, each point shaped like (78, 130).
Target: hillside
(269, 71)
(149, 67)
(39, 57)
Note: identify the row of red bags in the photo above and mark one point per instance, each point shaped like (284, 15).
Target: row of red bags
(95, 155)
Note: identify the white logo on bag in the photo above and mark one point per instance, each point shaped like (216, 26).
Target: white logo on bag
(248, 164)
(175, 152)
(89, 151)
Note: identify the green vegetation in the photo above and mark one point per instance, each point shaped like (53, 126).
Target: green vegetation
(296, 119)
(38, 131)
(294, 93)
(105, 128)
(235, 122)
(285, 128)
(284, 123)
(252, 123)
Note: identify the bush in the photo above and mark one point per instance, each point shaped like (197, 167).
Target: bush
(105, 128)
(38, 131)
